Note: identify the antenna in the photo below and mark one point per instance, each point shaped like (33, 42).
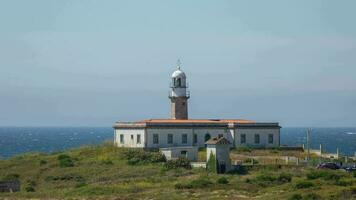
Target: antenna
(178, 64)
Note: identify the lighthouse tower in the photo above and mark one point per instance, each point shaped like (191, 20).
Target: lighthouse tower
(179, 94)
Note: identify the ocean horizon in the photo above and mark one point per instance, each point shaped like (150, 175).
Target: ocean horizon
(19, 140)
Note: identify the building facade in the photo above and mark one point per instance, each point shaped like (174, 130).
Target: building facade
(180, 131)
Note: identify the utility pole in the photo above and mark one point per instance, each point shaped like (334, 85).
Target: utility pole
(308, 143)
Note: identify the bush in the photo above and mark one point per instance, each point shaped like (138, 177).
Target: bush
(195, 184)
(268, 179)
(211, 165)
(295, 197)
(63, 156)
(312, 196)
(30, 186)
(43, 162)
(243, 149)
(139, 156)
(178, 163)
(324, 174)
(304, 184)
(67, 177)
(11, 177)
(222, 180)
(284, 178)
(343, 182)
(65, 161)
(354, 174)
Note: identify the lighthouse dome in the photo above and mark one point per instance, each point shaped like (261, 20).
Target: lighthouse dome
(178, 74)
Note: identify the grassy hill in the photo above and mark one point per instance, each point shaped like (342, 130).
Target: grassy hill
(107, 172)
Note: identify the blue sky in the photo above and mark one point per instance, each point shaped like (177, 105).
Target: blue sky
(90, 63)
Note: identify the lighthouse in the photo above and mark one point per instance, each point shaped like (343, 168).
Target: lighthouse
(179, 94)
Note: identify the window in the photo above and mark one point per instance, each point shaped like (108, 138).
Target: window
(243, 138)
(183, 153)
(179, 82)
(270, 138)
(207, 137)
(220, 135)
(155, 138)
(195, 138)
(257, 138)
(184, 139)
(131, 137)
(138, 139)
(170, 139)
(122, 139)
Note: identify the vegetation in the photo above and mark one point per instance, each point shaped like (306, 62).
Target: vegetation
(107, 172)
(178, 163)
(211, 165)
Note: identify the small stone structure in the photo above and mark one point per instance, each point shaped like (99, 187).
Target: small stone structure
(220, 148)
(189, 152)
(9, 186)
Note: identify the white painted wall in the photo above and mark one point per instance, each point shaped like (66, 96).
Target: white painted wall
(176, 152)
(128, 142)
(233, 135)
(263, 132)
(214, 132)
(163, 137)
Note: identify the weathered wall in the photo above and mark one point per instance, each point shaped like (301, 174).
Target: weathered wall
(128, 142)
(263, 132)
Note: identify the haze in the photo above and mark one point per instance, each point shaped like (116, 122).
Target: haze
(91, 63)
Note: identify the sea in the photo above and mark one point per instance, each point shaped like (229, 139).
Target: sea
(19, 140)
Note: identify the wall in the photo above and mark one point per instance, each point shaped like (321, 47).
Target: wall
(127, 137)
(233, 135)
(177, 136)
(173, 153)
(222, 154)
(250, 136)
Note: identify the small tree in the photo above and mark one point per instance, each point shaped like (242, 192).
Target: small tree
(211, 165)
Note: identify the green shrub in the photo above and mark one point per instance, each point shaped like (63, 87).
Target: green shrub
(222, 180)
(269, 179)
(66, 163)
(243, 149)
(266, 178)
(107, 162)
(30, 186)
(81, 184)
(65, 160)
(354, 174)
(63, 156)
(178, 163)
(43, 162)
(342, 182)
(194, 184)
(139, 156)
(11, 177)
(67, 177)
(295, 197)
(284, 178)
(312, 196)
(211, 165)
(324, 174)
(304, 184)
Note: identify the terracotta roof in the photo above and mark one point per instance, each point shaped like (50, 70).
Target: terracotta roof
(241, 121)
(217, 140)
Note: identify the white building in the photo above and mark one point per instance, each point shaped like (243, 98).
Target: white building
(180, 131)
